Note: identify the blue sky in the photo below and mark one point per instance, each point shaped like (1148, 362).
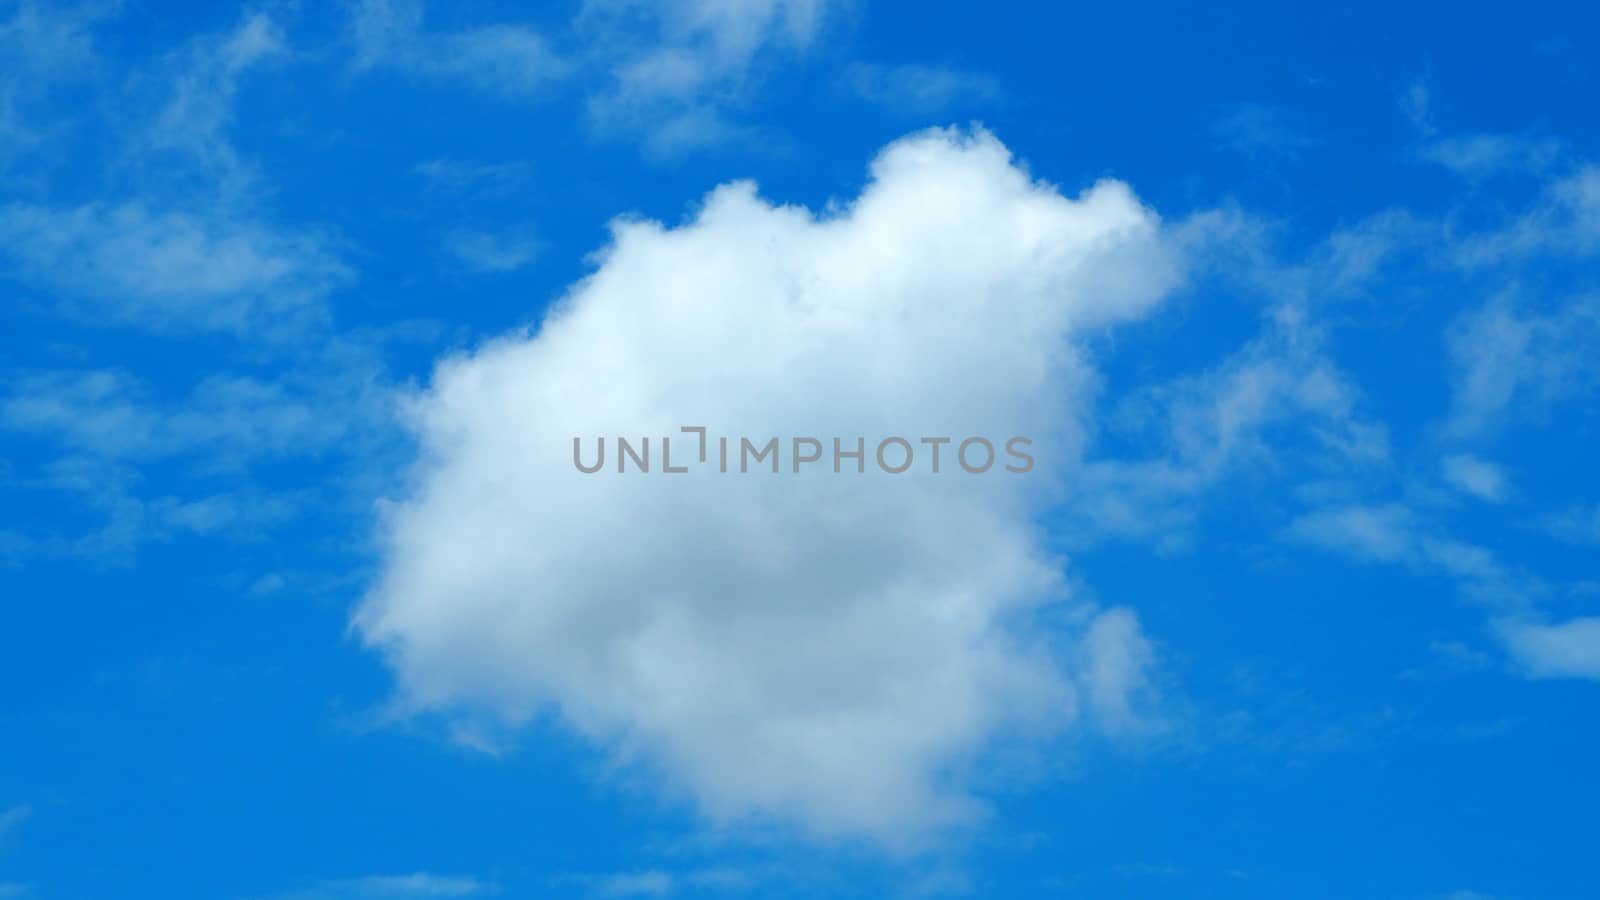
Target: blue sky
(303, 303)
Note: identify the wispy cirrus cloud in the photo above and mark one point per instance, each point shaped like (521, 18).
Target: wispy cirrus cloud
(1474, 476)
(677, 70)
(1280, 393)
(12, 819)
(697, 882)
(507, 59)
(1577, 524)
(920, 89)
(173, 270)
(474, 177)
(487, 251)
(671, 70)
(186, 244)
(200, 84)
(46, 46)
(1478, 157)
(1569, 649)
(1394, 533)
(1262, 133)
(1563, 223)
(111, 414)
(100, 430)
(1513, 363)
(414, 886)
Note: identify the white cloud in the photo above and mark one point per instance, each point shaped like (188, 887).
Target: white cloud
(1567, 650)
(827, 652)
(1477, 477)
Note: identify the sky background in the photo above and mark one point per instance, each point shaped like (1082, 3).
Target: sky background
(1323, 520)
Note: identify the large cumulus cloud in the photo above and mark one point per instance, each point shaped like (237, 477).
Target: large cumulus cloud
(824, 651)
